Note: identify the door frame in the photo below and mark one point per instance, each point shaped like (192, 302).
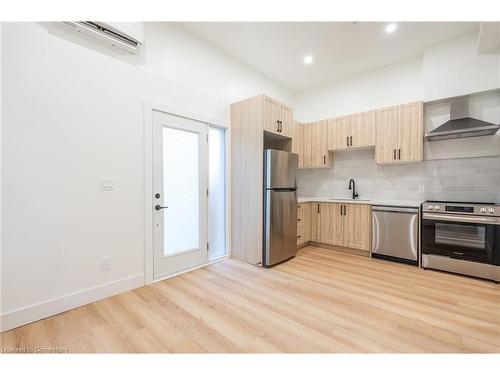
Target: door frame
(149, 107)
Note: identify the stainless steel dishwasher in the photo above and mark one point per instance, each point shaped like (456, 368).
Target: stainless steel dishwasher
(395, 233)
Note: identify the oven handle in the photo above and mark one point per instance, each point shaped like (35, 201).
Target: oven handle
(463, 219)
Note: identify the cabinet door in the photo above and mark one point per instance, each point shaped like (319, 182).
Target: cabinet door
(286, 118)
(306, 221)
(298, 142)
(357, 228)
(272, 114)
(362, 129)
(316, 153)
(300, 226)
(303, 223)
(315, 222)
(386, 135)
(410, 132)
(342, 132)
(307, 145)
(331, 223)
(322, 158)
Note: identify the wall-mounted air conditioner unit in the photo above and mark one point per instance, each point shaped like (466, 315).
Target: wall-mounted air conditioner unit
(124, 36)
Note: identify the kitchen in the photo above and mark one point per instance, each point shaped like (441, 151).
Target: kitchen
(389, 223)
(337, 198)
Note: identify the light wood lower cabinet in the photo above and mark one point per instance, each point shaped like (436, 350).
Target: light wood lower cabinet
(303, 223)
(339, 224)
(357, 228)
(331, 228)
(315, 223)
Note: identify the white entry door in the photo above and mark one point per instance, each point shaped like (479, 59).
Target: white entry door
(180, 194)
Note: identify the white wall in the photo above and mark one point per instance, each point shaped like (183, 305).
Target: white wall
(72, 115)
(448, 69)
(455, 68)
(181, 57)
(394, 84)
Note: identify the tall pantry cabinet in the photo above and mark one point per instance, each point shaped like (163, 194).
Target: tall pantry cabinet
(250, 118)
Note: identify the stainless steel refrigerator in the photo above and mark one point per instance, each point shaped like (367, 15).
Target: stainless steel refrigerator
(280, 206)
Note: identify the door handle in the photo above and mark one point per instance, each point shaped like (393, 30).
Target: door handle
(324, 159)
(399, 154)
(350, 139)
(158, 207)
(347, 141)
(394, 154)
(345, 209)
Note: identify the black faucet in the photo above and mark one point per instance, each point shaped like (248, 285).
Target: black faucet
(352, 186)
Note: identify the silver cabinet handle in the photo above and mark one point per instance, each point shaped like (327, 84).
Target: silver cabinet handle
(158, 207)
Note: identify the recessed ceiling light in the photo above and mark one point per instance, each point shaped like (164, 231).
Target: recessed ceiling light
(390, 28)
(308, 59)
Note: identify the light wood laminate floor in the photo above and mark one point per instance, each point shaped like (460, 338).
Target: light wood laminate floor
(320, 301)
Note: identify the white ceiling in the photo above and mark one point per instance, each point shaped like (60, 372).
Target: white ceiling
(340, 49)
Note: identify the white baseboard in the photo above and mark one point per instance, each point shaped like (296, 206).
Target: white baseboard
(29, 314)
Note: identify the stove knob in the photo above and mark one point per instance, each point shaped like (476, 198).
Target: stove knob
(436, 207)
(483, 210)
(430, 207)
(491, 210)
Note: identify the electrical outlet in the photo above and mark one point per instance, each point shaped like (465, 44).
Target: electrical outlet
(107, 184)
(421, 188)
(105, 264)
(324, 186)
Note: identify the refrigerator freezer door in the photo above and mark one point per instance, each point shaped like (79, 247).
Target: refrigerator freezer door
(280, 226)
(280, 169)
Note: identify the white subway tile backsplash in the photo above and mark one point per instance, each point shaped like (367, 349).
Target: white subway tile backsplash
(469, 179)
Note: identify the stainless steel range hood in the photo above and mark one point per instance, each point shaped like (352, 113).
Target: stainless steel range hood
(460, 124)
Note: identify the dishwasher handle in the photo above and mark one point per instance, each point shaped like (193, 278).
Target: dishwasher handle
(410, 210)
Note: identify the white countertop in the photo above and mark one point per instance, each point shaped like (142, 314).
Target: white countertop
(379, 202)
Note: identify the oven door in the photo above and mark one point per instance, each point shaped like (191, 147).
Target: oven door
(473, 238)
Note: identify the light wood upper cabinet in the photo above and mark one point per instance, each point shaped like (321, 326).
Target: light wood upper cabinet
(353, 131)
(331, 224)
(338, 128)
(410, 132)
(298, 142)
(387, 134)
(362, 129)
(399, 137)
(286, 118)
(315, 149)
(278, 117)
(357, 226)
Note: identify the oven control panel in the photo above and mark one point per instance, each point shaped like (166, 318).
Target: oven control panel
(488, 209)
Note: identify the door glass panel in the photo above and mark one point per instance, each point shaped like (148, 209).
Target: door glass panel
(181, 174)
(217, 191)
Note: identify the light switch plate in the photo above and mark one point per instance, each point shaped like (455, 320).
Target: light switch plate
(421, 188)
(324, 186)
(107, 184)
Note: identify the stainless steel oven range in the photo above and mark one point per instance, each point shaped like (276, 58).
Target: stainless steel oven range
(462, 238)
